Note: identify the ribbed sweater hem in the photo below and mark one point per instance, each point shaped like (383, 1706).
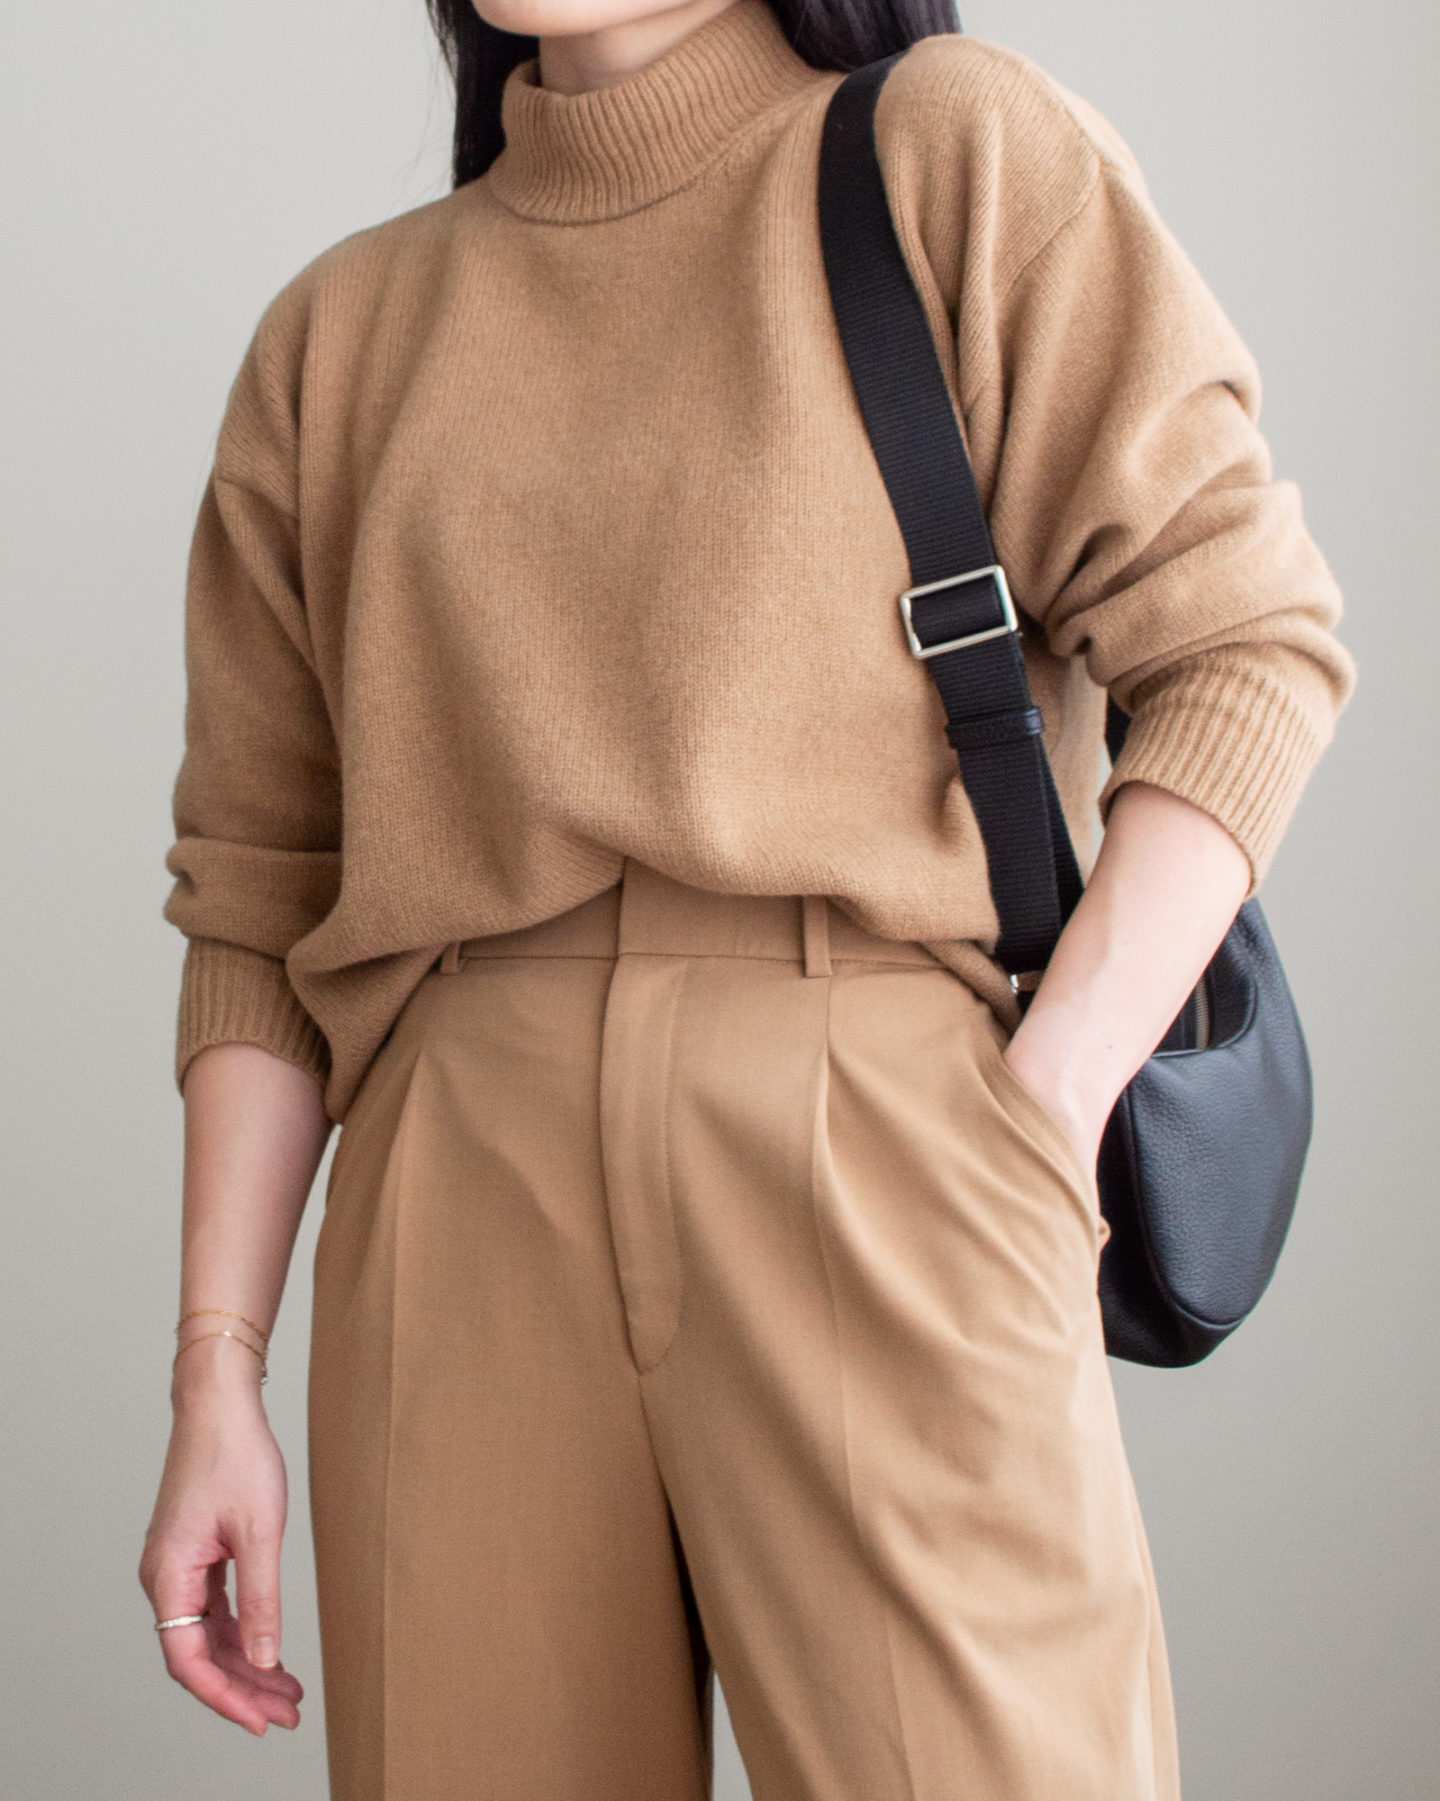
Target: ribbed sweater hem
(1233, 741)
(229, 995)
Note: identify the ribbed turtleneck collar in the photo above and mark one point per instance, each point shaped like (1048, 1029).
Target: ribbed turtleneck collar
(575, 157)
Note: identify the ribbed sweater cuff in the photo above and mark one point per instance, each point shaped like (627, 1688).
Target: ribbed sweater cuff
(229, 995)
(1232, 740)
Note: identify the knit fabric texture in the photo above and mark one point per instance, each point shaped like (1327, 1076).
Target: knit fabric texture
(544, 531)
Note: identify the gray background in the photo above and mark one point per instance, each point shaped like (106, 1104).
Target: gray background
(166, 167)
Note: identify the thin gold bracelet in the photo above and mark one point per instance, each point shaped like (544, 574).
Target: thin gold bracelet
(226, 1313)
(264, 1366)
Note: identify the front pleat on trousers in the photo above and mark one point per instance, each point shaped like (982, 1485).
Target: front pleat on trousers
(698, 1288)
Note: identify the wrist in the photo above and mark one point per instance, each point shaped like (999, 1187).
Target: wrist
(1078, 1072)
(215, 1371)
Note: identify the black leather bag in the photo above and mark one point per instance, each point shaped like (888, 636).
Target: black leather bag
(1201, 1159)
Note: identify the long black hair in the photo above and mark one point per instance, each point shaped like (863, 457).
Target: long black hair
(828, 34)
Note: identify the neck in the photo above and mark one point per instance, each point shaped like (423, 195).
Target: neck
(577, 62)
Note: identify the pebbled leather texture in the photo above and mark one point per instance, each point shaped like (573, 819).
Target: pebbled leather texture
(1201, 1161)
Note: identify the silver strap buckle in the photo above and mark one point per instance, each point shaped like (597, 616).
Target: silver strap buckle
(1007, 608)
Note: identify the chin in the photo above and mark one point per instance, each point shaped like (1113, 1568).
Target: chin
(566, 18)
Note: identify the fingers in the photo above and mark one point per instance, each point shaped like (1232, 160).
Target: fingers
(206, 1660)
(265, 1687)
(222, 1499)
(188, 1650)
(227, 1652)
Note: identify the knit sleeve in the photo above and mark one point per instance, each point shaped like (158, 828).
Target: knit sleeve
(1134, 505)
(257, 799)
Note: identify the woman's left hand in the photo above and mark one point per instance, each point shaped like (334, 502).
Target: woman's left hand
(1165, 887)
(1080, 1115)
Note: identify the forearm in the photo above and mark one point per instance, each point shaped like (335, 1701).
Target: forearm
(255, 1129)
(1166, 885)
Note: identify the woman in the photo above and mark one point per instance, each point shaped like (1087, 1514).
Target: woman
(708, 1266)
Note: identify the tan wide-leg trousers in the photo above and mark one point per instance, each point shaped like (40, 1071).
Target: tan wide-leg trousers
(696, 1282)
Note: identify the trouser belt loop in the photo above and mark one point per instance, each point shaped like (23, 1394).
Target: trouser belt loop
(450, 959)
(815, 918)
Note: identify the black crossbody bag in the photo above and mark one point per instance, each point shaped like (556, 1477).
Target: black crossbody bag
(1201, 1159)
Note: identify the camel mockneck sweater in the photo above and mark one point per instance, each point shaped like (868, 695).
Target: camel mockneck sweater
(544, 531)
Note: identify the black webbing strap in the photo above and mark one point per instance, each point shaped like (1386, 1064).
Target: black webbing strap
(991, 719)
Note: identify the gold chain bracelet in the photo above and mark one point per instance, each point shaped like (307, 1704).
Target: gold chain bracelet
(254, 1352)
(225, 1313)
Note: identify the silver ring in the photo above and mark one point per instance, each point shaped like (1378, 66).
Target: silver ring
(181, 1619)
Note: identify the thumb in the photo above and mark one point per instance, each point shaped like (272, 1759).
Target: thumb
(257, 1593)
